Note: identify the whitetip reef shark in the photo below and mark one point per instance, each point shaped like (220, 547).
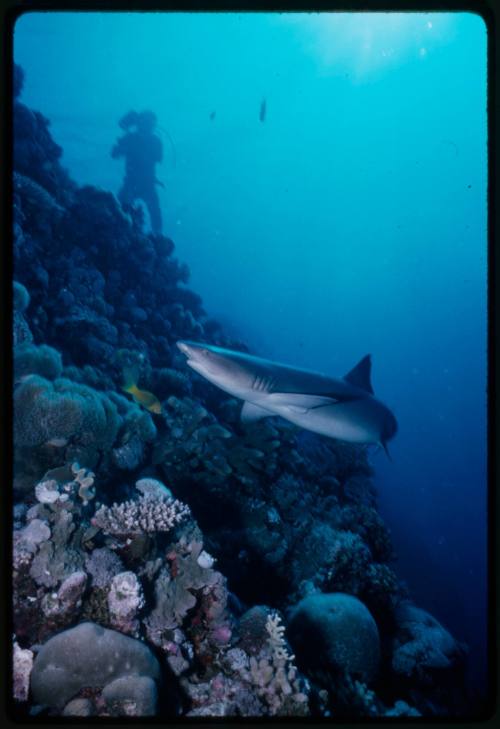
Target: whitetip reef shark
(343, 408)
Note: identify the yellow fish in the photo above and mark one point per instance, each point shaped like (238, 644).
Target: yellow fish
(143, 397)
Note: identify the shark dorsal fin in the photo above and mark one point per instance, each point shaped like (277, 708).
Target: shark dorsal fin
(359, 376)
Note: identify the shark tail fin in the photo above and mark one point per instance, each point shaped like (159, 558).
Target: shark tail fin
(359, 376)
(383, 444)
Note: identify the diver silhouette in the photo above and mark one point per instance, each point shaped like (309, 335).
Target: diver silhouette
(142, 150)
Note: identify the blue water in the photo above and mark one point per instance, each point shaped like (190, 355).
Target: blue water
(352, 220)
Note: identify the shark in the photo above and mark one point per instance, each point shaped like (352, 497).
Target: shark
(343, 408)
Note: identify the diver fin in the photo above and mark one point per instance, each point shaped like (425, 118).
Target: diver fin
(359, 376)
(250, 413)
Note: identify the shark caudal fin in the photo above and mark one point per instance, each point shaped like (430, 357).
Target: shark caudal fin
(359, 376)
(383, 444)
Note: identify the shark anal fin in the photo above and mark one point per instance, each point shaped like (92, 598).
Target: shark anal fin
(359, 376)
(250, 413)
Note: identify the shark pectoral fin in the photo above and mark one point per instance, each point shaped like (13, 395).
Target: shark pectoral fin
(298, 402)
(250, 413)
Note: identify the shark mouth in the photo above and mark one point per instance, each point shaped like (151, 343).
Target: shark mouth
(196, 359)
(192, 353)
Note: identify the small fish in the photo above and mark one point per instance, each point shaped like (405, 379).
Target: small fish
(263, 110)
(143, 397)
(212, 116)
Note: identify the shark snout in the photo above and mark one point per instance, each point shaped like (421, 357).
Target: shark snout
(191, 350)
(199, 358)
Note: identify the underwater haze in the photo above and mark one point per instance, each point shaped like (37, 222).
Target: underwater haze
(325, 180)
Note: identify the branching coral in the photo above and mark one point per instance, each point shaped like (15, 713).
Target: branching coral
(274, 675)
(146, 514)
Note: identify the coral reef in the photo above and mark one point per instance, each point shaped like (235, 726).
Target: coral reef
(187, 590)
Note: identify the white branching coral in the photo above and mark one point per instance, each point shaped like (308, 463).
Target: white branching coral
(274, 675)
(146, 514)
(276, 639)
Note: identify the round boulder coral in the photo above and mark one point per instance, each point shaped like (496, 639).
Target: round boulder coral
(337, 633)
(88, 656)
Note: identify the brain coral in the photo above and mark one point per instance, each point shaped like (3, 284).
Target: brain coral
(337, 632)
